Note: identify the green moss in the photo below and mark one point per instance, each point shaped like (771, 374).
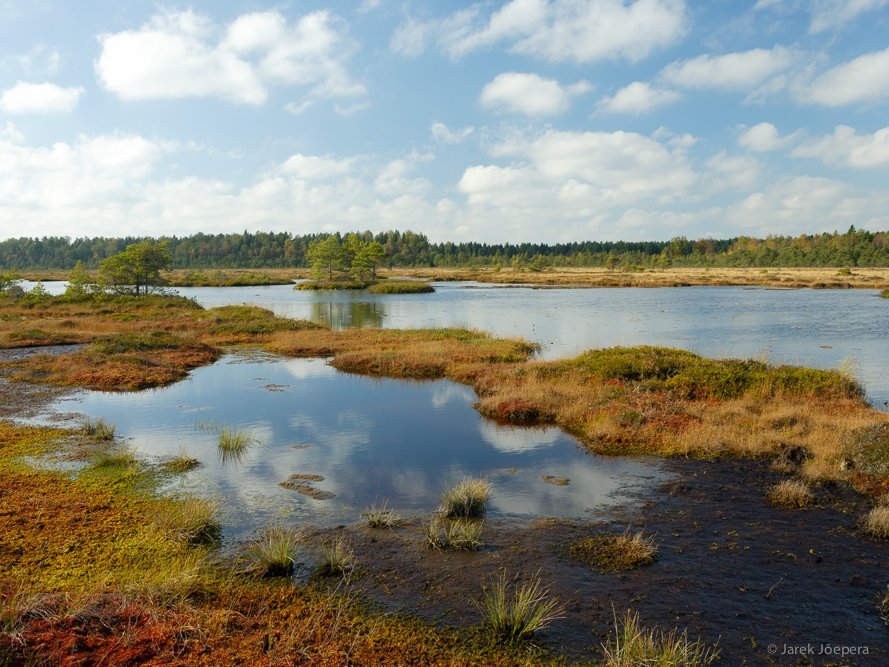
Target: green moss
(137, 342)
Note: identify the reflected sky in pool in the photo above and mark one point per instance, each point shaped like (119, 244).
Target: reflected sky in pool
(372, 440)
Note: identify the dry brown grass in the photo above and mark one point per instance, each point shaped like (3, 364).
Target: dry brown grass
(410, 353)
(877, 522)
(790, 493)
(827, 277)
(616, 553)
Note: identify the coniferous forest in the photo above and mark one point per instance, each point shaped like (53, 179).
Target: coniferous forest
(410, 249)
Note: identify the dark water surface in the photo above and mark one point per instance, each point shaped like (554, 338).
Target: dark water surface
(372, 440)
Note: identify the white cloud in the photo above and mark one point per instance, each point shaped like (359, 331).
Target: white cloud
(10, 134)
(864, 79)
(828, 14)
(764, 137)
(847, 148)
(741, 71)
(637, 98)
(297, 109)
(39, 98)
(40, 61)
(176, 55)
(445, 135)
(808, 204)
(311, 167)
(578, 31)
(529, 94)
(733, 171)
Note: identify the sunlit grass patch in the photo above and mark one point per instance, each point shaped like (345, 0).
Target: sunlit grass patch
(516, 611)
(273, 553)
(616, 553)
(632, 645)
(876, 522)
(337, 558)
(460, 534)
(98, 429)
(113, 459)
(467, 498)
(790, 493)
(168, 583)
(381, 517)
(401, 287)
(180, 464)
(189, 520)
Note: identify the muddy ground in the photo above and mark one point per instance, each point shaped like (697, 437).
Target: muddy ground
(732, 568)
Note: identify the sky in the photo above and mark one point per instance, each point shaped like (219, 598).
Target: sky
(495, 121)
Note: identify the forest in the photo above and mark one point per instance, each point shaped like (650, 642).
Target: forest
(409, 249)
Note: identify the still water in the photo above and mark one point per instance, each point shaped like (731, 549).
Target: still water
(371, 440)
(818, 328)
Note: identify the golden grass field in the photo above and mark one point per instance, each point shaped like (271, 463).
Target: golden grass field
(859, 278)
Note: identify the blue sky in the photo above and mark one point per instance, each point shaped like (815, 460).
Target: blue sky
(509, 120)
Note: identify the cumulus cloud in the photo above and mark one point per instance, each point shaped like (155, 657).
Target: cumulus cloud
(808, 204)
(845, 147)
(579, 31)
(178, 54)
(529, 94)
(764, 137)
(638, 98)
(742, 71)
(39, 98)
(445, 135)
(828, 14)
(861, 80)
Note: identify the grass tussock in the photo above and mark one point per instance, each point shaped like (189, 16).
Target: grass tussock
(232, 439)
(632, 645)
(514, 611)
(467, 498)
(883, 607)
(876, 522)
(790, 493)
(190, 520)
(454, 534)
(884, 293)
(181, 464)
(98, 429)
(113, 460)
(381, 517)
(616, 553)
(337, 558)
(401, 287)
(273, 553)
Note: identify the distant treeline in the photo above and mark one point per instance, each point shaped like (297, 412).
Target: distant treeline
(404, 249)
